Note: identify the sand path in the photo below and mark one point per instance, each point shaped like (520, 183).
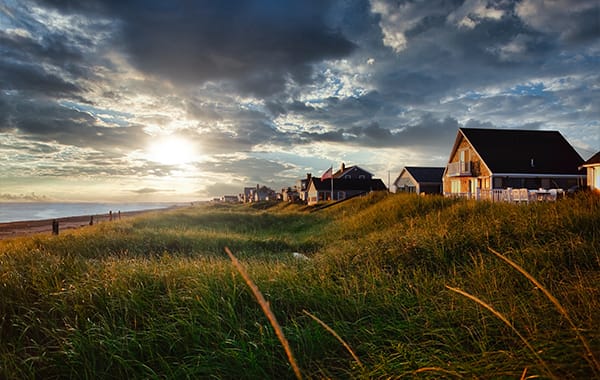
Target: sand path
(30, 227)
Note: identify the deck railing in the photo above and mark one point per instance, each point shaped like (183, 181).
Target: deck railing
(459, 168)
(512, 195)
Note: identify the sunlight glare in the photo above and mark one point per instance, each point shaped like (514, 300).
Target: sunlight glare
(171, 151)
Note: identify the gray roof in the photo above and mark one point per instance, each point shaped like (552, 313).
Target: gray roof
(340, 184)
(425, 174)
(512, 151)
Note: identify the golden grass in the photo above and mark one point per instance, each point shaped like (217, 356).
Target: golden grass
(590, 358)
(264, 304)
(437, 369)
(501, 317)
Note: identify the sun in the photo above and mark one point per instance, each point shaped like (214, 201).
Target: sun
(171, 150)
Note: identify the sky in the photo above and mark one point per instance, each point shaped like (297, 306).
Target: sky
(182, 100)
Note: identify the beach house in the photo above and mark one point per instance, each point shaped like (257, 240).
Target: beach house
(485, 163)
(419, 180)
(592, 167)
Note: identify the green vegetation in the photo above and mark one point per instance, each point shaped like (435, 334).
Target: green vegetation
(157, 297)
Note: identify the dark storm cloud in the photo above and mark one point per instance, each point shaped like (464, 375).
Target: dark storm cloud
(248, 171)
(56, 49)
(258, 44)
(429, 132)
(26, 63)
(33, 79)
(251, 128)
(48, 121)
(41, 61)
(571, 20)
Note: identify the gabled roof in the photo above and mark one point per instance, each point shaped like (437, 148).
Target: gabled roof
(594, 160)
(340, 173)
(425, 174)
(349, 184)
(523, 151)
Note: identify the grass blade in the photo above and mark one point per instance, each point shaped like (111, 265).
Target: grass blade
(501, 317)
(590, 358)
(264, 304)
(339, 338)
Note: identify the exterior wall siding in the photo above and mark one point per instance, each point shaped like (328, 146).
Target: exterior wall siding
(405, 184)
(480, 175)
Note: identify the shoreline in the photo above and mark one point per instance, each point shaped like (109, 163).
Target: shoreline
(32, 227)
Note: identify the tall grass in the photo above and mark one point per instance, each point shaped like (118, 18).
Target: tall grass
(156, 297)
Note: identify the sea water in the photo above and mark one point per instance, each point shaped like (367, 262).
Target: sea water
(13, 211)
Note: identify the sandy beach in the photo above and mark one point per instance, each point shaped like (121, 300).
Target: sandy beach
(31, 227)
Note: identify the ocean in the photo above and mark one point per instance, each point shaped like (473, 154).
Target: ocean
(16, 211)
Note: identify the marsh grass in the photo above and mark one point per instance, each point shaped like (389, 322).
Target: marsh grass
(156, 297)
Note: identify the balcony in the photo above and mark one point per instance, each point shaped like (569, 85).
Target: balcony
(459, 169)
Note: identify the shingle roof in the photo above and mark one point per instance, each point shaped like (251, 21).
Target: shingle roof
(595, 159)
(426, 174)
(512, 151)
(349, 184)
(339, 173)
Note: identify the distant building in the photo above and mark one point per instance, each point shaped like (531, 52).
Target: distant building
(419, 180)
(264, 193)
(352, 172)
(592, 167)
(290, 194)
(247, 195)
(229, 198)
(302, 187)
(347, 182)
(258, 194)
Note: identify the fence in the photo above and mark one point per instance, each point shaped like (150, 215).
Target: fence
(513, 195)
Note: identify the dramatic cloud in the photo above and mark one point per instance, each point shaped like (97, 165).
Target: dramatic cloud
(179, 100)
(259, 44)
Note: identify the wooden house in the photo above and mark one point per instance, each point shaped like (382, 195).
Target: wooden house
(419, 180)
(320, 190)
(483, 162)
(592, 166)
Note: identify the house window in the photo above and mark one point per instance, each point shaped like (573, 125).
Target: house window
(464, 160)
(361, 177)
(347, 177)
(455, 186)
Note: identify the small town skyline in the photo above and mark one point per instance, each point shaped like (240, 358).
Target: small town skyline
(182, 101)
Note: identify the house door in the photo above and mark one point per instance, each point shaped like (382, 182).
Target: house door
(473, 188)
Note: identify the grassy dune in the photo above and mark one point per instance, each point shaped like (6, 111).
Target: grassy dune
(157, 297)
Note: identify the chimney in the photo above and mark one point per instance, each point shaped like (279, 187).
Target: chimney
(343, 168)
